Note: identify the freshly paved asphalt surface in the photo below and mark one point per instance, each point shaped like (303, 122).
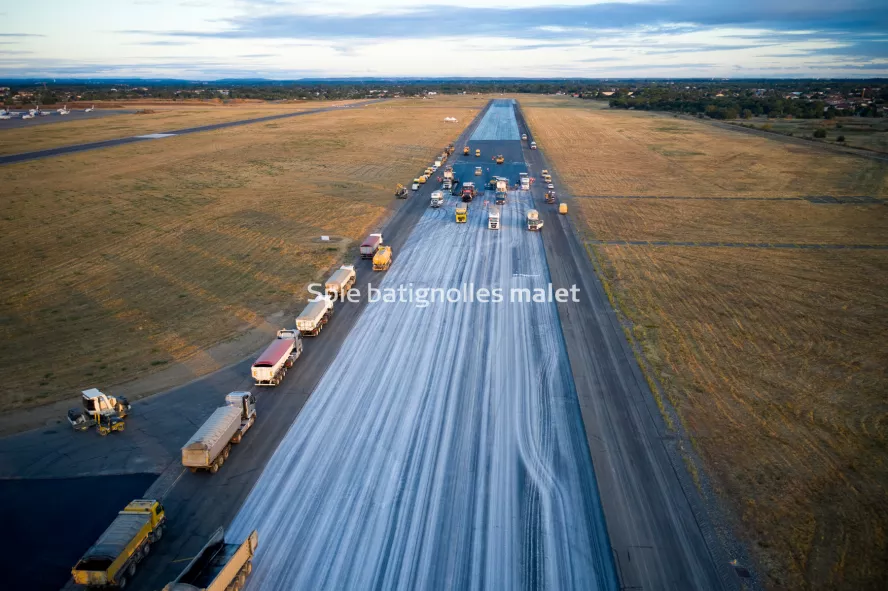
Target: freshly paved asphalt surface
(513, 369)
(75, 115)
(44, 555)
(444, 447)
(26, 156)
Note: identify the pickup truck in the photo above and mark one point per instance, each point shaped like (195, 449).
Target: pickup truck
(113, 559)
(219, 566)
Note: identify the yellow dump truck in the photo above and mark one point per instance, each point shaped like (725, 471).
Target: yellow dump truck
(382, 260)
(219, 566)
(113, 559)
(562, 209)
(461, 214)
(477, 153)
(423, 179)
(500, 159)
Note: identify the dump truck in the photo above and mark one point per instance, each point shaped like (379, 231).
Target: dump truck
(562, 209)
(102, 411)
(468, 192)
(478, 171)
(438, 162)
(477, 153)
(370, 246)
(524, 137)
(272, 365)
(533, 145)
(401, 191)
(493, 218)
(382, 260)
(500, 159)
(466, 151)
(534, 223)
(450, 148)
(437, 199)
(219, 566)
(461, 214)
(415, 185)
(210, 445)
(525, 183)
(341, 281)
(550, 197)
(423, 179)
(113, 559)
(316, 314)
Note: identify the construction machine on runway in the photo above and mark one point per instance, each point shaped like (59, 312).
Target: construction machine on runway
(468, 192)
(401, 191)
(500, 159)
(104, 412)
(534, 223)
(462, 213)
(466, 151)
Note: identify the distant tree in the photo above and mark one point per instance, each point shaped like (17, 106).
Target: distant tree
(747, 114)
(840, 139)
(820, 133)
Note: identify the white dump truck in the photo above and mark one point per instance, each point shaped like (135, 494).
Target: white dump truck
(316, 314)
(271, 367)
(534, 223)
(493, 218)
(219, 566)
(437, 198)
(208, 448)
(341, 281)
(533, 145)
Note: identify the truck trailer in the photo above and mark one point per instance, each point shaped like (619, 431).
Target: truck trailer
(271, 367)
(209, 447)
(219, 566)
(113, 559)
(493, 218)
(370, 245)
(314, 316)
(534, 223)
(342, 280)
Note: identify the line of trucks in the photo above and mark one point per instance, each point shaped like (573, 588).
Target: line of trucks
(219, 566)
(114, 558)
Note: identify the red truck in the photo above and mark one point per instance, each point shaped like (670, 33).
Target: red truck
(468, 192)
(371, 245)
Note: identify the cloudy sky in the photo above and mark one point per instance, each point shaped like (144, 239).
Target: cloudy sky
(203, 39)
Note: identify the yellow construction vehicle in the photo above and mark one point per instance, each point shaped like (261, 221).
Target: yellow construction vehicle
(562, 209)
(477, 153)
(382, 260)
(500, 159)
(466, 151)
(107, 424)
(113, 559)
(423, 179)
(401, 191)
(461, 214)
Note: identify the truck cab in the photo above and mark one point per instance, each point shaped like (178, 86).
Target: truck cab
(437, 199)
(461, 214)
(500, 159)
(478, 171)
(466, 151)
(524, 137)
(533, 145)
(493, 218)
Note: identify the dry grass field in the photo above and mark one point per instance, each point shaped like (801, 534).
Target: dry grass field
(121, 261)
(152, 119)
(774, 360)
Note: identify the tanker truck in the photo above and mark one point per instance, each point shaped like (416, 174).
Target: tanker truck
(534, 223)
(209, 447)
